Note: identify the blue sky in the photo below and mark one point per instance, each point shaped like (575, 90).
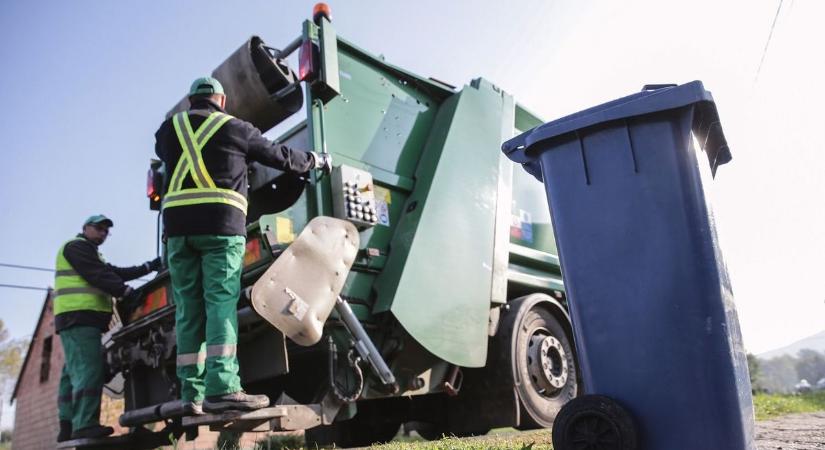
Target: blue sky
(86, 83)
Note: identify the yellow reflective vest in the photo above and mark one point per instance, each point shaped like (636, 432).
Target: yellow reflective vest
(72, 292)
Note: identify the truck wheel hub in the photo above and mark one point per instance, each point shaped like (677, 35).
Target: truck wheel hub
(547, 363)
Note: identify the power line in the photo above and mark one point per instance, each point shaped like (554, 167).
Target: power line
(42, 269)
(770, 35)
(19, 286)
(18, 266)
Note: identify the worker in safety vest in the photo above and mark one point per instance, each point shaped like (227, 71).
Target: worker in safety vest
(84, 285)
(206, 152)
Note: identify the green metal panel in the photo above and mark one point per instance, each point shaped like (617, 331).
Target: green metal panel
(436, 155)
(438, 277)
(504, 205)
(378, 119)
(329, 54)
(380, 123)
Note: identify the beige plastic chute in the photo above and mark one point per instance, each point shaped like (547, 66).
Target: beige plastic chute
(298, 291)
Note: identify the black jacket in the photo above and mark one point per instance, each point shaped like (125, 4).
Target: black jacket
(226, 156)
(85, 260)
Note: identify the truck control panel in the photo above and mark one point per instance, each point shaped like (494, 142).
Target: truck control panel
(353, 196)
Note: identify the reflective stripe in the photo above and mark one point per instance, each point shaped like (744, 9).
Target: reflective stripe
(78, 290)
(66, 273)
(208, 128)
(191, 359)
(196, 138)
(193, 164)
(186, 194)
(187, 197)
(204, 201)
(197, 162)
(221, 350)
(178, 175)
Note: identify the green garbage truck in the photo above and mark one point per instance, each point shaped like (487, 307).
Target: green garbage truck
(448, 314)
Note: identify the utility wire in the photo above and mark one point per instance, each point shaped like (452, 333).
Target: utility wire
(19, 286)
(768, 43)
(17, 266)
(41, 269)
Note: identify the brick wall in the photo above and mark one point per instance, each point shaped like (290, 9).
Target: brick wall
(35, 422)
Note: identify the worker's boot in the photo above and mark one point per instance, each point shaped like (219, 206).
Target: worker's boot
(94, 431)
(238, 401)
(65, 432)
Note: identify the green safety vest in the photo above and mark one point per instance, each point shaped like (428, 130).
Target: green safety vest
(72, 292)
(191, 163)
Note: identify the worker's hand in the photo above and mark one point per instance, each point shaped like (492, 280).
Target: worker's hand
(323, 161)
(154, 265)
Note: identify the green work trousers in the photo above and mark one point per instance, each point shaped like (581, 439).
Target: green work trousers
(81, 382)
(206, 282)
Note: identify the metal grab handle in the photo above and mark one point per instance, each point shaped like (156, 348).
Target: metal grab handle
(363, 344)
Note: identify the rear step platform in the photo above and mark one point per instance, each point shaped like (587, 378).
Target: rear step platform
(237, 420)
(275, 418)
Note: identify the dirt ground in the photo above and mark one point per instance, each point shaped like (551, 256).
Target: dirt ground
(792, 432)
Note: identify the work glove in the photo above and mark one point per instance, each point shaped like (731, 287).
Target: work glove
(128, 302)
(323, 161)
(153, 265)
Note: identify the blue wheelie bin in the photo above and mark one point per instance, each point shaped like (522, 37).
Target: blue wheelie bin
(658, 340)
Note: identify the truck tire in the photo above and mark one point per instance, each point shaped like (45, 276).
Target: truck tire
(542, 358)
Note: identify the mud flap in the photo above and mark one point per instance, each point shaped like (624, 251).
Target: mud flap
(298, 291)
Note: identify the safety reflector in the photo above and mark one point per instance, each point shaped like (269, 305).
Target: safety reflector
(154, 301)
(253, 252)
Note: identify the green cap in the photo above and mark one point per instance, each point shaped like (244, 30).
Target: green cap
(206, 85)
(97, 219)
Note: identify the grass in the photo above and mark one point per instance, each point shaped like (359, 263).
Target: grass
(531, 440)
(506, 438)
(769, 406)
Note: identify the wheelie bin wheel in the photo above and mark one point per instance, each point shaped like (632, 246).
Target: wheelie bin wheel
(594, 422)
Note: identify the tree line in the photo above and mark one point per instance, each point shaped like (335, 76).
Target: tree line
(782, 373)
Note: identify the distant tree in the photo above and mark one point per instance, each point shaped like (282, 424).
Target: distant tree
(11, 359)
(755, 373)
(810, 365)
(778, 374)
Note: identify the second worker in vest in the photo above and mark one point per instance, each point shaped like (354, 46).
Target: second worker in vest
(206, 153)
(83, 289)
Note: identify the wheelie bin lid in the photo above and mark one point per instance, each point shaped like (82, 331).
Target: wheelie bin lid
(525, 148)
